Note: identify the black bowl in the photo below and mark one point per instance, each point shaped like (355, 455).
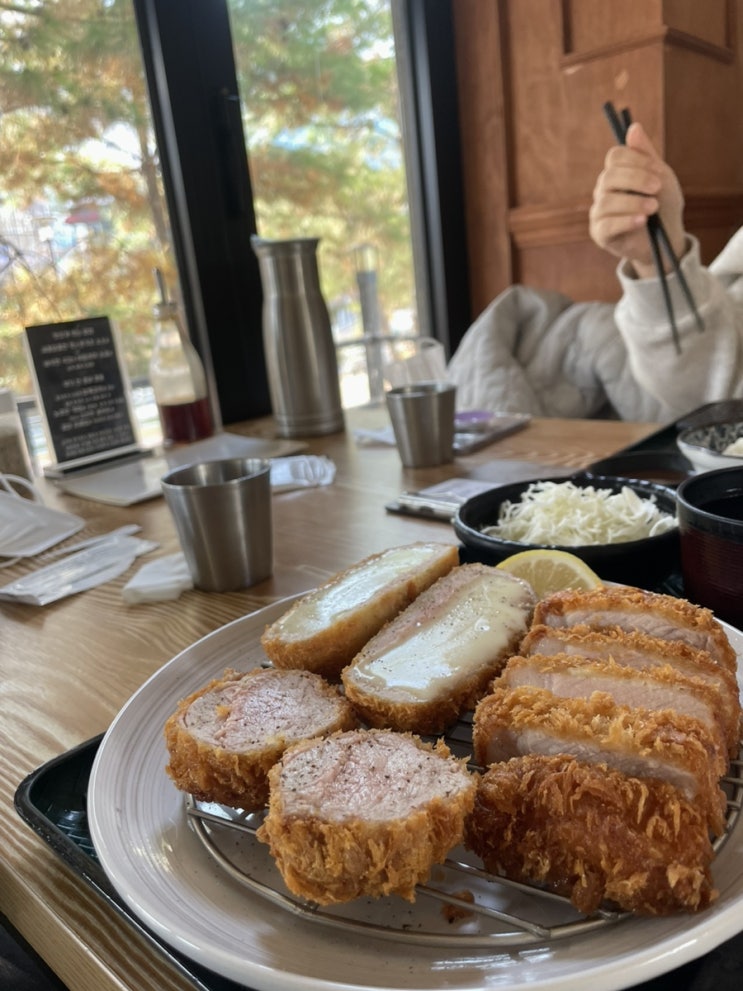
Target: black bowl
(710, 513)
(663, 467)
(644, 563)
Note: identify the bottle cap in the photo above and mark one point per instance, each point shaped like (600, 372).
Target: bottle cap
(165, 311)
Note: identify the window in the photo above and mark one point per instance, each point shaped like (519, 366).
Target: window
(99, 189)
(320, 112)
(83, 219)
(188, 55)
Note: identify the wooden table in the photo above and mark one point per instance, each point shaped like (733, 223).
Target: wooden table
(66, 669)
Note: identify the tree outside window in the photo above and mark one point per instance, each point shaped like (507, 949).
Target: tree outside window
(83, 217)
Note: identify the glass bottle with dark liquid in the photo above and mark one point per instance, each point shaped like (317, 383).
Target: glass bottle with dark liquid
(178, 379)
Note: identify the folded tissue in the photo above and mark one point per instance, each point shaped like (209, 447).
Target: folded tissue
(159, 580)
(93, 565)
(301, 471)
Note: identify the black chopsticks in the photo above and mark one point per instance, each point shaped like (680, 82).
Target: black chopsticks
(619, 123)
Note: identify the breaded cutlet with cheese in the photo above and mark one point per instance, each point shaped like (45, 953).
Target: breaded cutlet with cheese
(435, 659)
(323, 630)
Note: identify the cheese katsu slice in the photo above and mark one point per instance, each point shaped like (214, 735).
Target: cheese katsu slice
(324, 630)
(438, 657)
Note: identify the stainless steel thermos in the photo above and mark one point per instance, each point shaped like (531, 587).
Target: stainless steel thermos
(299, 348)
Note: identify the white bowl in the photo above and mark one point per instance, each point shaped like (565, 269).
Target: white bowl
(704, 446)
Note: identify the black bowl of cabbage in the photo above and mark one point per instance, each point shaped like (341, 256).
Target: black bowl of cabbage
(644, 561)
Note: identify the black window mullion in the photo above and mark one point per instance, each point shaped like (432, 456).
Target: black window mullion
(189, 62)
(187, 51)
(426, 52)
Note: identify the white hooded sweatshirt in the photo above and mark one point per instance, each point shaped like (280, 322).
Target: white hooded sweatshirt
(539, 352)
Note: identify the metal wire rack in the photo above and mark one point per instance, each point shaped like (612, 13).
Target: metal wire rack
(461, 906)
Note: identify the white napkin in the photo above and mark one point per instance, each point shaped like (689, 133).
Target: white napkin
(368, 438)
(77, 572)
(300, 472)
(159, 580)
(27, 526)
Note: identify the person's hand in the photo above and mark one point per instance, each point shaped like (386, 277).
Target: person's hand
(634, 184)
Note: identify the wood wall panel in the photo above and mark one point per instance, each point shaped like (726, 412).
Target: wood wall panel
(702, 24)
(592, 26)
(534, 75)
(482, 65)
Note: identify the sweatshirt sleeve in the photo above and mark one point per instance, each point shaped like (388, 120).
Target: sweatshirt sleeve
(710, 365)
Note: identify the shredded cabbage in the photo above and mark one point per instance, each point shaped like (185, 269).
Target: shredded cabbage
(569, 515)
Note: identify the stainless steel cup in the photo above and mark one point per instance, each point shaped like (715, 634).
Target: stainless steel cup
(297, 339)
(222, 514)
(422, 416)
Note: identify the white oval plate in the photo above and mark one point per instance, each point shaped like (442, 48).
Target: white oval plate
(161, 870)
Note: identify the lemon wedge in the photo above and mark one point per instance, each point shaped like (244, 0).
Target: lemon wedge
(550, 571)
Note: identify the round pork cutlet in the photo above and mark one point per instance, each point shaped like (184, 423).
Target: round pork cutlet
(224, 738)
(364, 813)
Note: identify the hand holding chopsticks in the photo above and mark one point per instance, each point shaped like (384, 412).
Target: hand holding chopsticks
(659, 240)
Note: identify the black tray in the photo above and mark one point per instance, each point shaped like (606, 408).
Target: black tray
(52, 800)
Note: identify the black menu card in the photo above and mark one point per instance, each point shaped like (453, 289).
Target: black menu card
(82, 392)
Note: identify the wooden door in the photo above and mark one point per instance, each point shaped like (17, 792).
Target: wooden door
(533, 77)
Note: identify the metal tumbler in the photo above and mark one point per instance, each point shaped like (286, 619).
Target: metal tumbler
(222, 513)
(300, 352)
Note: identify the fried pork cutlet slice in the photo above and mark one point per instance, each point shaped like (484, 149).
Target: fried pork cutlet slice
(438, 657)
(655, 690)
(635, 609)
(324, 629)
(593, 834)
(364, 813)
(511, 722)
(224, 738)
(643, 652)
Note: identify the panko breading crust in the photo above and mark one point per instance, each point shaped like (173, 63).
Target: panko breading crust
(511, 719)
(329, 851)
(653, 689)
(610, 606)
(592, 834)
(276, 709)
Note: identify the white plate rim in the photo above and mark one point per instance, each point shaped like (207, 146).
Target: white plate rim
(657, 945)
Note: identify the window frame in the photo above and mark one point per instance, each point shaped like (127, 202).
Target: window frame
(192, 81)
